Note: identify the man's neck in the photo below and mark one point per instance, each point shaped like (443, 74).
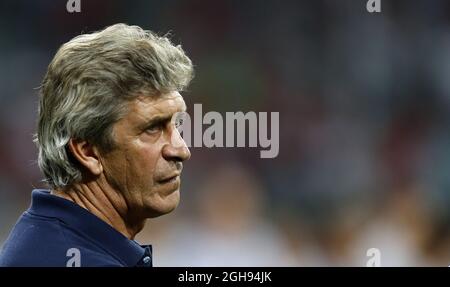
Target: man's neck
(106, 204)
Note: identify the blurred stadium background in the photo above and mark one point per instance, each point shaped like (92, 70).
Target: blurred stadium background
(364, 104)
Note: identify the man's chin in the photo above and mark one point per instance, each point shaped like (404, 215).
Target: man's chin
(164, 205)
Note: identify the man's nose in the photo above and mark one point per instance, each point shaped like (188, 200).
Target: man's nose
(176, 149)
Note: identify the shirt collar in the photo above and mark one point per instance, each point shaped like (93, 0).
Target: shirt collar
(129, 251)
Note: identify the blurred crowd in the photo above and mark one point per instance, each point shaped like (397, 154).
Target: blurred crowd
(364, 103)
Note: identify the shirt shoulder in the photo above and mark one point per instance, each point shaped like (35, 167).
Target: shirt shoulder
(46, 242)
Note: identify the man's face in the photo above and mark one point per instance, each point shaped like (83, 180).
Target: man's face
(146, 163)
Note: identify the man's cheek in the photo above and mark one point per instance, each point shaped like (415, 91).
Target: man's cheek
(145, 164)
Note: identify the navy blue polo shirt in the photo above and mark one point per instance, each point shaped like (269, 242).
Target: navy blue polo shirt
(56, 232)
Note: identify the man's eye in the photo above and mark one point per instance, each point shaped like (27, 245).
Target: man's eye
(179, 119)
(153, 129)
(179, 122)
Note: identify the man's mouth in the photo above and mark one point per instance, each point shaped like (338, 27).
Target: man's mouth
(170, 179)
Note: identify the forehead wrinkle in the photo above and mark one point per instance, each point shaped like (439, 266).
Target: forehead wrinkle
(154, 108)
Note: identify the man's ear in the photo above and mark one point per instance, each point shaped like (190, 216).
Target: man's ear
(87, 155)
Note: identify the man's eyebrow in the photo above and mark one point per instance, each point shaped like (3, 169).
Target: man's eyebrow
(161, 118)
(157, 119)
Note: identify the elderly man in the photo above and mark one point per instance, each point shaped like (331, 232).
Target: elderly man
(109, 148)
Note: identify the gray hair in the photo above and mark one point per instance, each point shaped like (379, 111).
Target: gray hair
(88, 85)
